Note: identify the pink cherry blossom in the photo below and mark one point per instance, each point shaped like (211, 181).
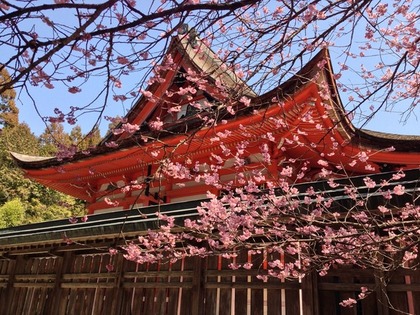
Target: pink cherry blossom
(109, 202)
(74, 90)
(399, 190)
(156, 124)
(369, 182)
(348, 302)
(129, 128)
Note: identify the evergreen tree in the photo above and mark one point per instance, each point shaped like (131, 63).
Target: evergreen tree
(90, 140)
(22, 200)
(8, 110)
(53, 137)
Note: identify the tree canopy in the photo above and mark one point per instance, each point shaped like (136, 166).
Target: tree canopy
(115, 44)
(21, 200)
(8, 109)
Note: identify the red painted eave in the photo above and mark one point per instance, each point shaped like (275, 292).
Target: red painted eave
(299, 95)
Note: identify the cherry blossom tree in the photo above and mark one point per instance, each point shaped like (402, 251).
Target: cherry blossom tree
(375, 45)
(68, 44)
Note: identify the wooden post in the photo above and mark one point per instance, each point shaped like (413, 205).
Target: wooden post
(59, 304)
(6, 299)
(198, 281)
(118, 290)
(19, 267)
(50, 304)
(381, 294)
(309, 295)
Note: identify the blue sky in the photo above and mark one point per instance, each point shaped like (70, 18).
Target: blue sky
(46, 100)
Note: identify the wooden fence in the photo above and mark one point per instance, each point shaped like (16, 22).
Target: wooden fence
(79, 282)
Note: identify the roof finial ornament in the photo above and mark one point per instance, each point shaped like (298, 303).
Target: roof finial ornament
(192, 38)
(183, 29)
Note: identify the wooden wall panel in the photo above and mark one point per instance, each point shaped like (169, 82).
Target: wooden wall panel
(85, 283)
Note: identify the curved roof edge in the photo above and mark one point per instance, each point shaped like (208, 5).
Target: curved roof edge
(24, 158)
(359, 137)
(376, 139)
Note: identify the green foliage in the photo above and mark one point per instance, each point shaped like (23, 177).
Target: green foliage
(8, 110)
(22, 200)
(12, 183)
(46, 204)
(39, 203)
(84, 142)
(54, 136)
(12, 213)
(18, 138)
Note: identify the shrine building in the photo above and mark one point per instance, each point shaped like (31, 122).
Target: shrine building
(304, 115)
(59, 267)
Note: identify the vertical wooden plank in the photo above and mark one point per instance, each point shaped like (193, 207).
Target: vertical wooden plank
(198, 286)
(328, 299)
(259, 261)
(64, 265)
(5, 273)
(22, 295)
(150, 302)
(125, 307)
(90, 265)
(96, 303)
(415, 280)
(225, 294)
(369, 304)
(54, 267)
(142, 291)
(47, 295)
(14, 295)
(105, 294)
(6, 297)
(32, 267)
(309, 306)
(118, 294)
(162, 294)
(136, 294)
(397, 300)
(211, 294)
(347, 278)
(274, 301)
(172, 293)
(96, 300)
(125, 282)
(73, 294)
(257, 302)
(42, 294)
(160, 291)
(4, 262)
(241, 294)
(186, 293)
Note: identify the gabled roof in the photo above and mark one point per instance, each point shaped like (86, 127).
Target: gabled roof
(190, 53)
(315, 127)
(325, 132)
(196, 56)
